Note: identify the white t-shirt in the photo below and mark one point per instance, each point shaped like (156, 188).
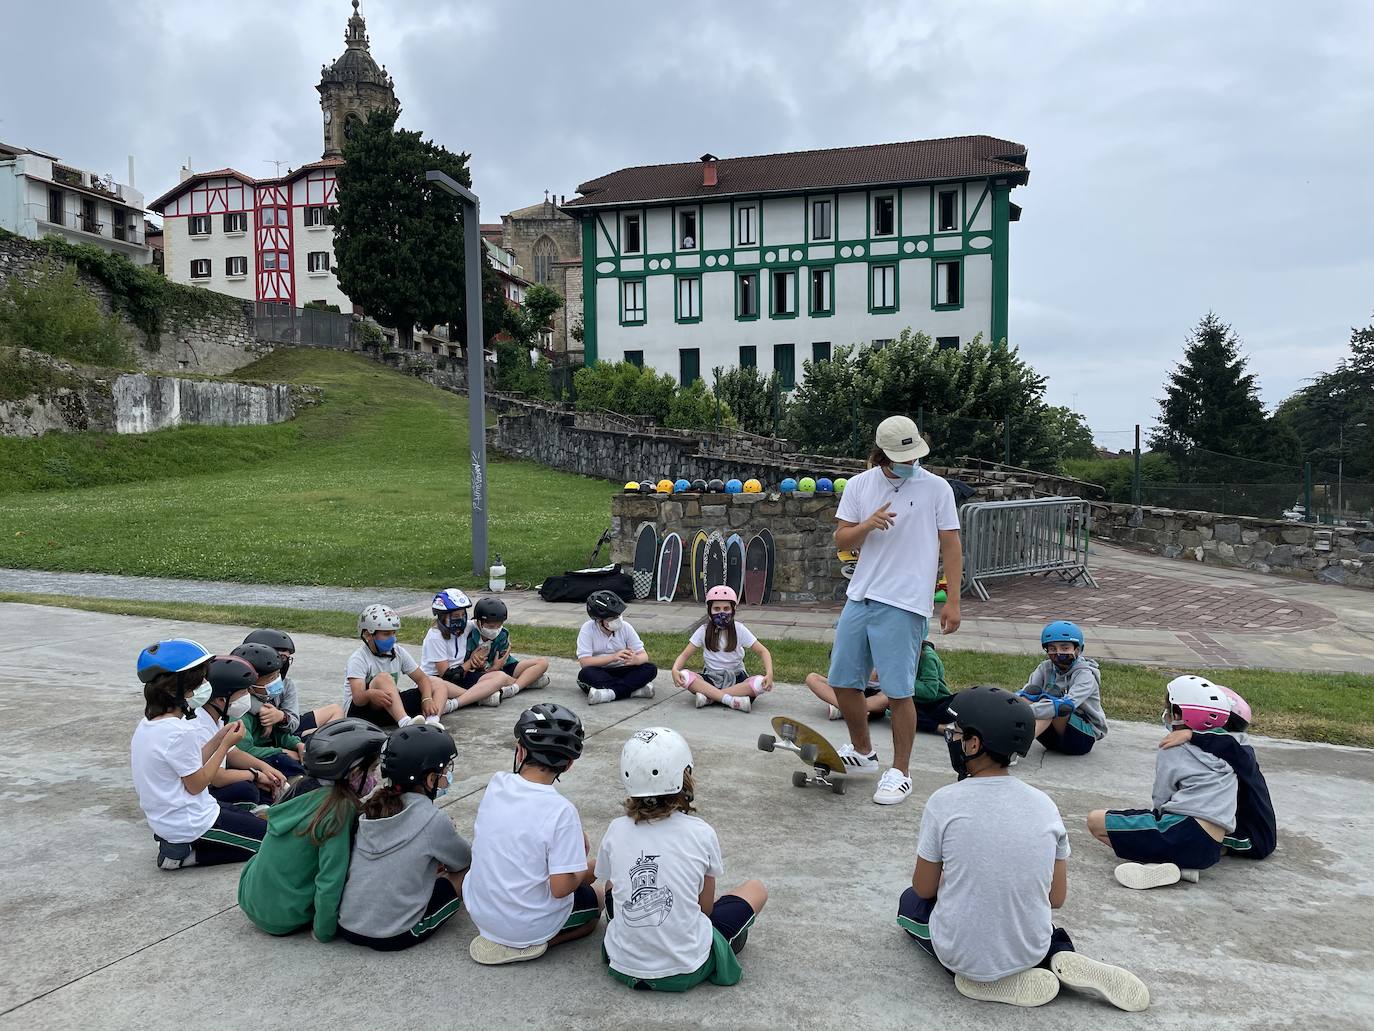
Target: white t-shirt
(657, 869)
(592, 640)
(436, 650)
(898, 566)
(161, 753)
(524, 833)
(205, 726)
(998, 839)
(364, 665)
(725, 662)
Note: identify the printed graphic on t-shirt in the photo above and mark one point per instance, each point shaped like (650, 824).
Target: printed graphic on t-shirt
(649, 903)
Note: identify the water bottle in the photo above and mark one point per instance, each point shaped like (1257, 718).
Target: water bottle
(497, 580)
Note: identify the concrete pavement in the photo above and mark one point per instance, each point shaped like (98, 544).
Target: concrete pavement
(98, 937)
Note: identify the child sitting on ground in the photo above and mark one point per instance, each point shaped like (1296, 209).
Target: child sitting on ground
(244, 780)
(669, 931)
(931, 695)
(489, 644)
(264, 724)
(371, 678)
(1065, 692)
(445, 655)
(297, 878)
(1256, 834)
(1194, 799)
(405, 875)
(613, 660)
(992, 865)
(530, 885)
(724, 680)
(297, 722)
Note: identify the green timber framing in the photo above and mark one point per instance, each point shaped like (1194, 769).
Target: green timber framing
(604, 222)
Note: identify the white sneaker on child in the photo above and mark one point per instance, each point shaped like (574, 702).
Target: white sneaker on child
(541, 683)
(492, 699)
(434, 721)
(490, 953)
(701, 701)
(1143, 876)
(597, 695)
(1115, 985)
(833, 712)
(406, 721)
(510, 691)
(647, 691)
(450, 706)
(740, 703)
(1033, 987)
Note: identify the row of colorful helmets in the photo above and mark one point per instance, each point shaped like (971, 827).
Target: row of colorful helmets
(805, 485)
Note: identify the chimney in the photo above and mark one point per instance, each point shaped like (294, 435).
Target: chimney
(131, 170)
(708, 170)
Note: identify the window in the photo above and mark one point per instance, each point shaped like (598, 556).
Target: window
(878, 345)
(748, 356)
(688, 365)
(632, 244)
(947, 343)
(200, 268)
(746, 225)
(236, 222)
(884, 215)
(820, 352)
(631, 302)
(784, 297)
(785, 364)
(200, 226)
(882, 290)
(948, 285)
(545, 254)
(273, 217)
(89, 216)
(317, 261)
(820, 220)
(55, 207)
(236, 267)
(689, 299)
(635, 358)
(317, 216)
(821, 281)
(949, 208)
(747, 296)
(273, 261)
(687, 230)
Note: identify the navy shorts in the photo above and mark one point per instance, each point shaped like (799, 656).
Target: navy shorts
(410, 700)
(1072, 740)
(307, 723)
(1150, 836)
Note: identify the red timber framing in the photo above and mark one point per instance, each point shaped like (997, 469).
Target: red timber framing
(210, 197)
(272, 218)
(318, 188)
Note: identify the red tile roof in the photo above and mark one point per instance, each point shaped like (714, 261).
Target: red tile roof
(956, 157)
(233, 173)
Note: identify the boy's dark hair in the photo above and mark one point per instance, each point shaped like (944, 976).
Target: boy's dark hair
(878, 457)
(997, 757)
(660, 807)
(162, 695)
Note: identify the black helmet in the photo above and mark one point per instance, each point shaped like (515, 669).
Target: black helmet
(552, 735)
(490, 609)
(646, 486)
(716, 487)
(278, 639)
(264, 658)
(411, 752)
(604, 605)
(340, 745)
(1004, 722)
(699, 486)
(230, 674)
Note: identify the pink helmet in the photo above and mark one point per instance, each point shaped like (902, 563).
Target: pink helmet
(722, 593)
(1204, 706)
(1240, 711)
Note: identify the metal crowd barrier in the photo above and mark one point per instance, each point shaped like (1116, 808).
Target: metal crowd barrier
(1012, 538)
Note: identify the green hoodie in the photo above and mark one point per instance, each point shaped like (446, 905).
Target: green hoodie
(292, 881)
(263, 743)
(930, 676)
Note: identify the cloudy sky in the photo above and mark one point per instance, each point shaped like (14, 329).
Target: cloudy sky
(1184, 156)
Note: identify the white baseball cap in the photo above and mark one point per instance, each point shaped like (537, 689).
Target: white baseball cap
(900, 440)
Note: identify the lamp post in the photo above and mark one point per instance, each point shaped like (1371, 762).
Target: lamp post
(477, 421)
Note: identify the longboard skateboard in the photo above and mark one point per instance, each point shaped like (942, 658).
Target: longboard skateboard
(699, 566)
(715, 559)
(848, 560)
(755, 570)
(767, 537)
(816, 753)
(646, 558)
(734, 564)
(669, 566)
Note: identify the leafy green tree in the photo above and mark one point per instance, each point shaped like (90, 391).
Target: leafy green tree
(752, 397)
(624, 388)
(525, 322)
(1073, 437)
(398, 243)
(1331, 408)
(57, 314)
(693, 407)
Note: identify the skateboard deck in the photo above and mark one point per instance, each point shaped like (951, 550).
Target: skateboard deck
(646, 555)
(669, 566)
(767, 536)
(848, 560)
(699, 566)
(715, 559)
(816, 753)
(734, 564)
(755, 570)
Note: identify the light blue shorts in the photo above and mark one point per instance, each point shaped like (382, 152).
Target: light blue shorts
(871, 634)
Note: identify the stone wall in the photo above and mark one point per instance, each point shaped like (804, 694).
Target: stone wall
(1340, 555)
(806, 568)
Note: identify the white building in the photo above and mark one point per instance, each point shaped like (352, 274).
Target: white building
(40, 196)
(769, 261)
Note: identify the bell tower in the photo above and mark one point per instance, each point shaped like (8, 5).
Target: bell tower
(353, 87)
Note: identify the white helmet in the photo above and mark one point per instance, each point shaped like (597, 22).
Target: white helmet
(450, 599)
(1203, 705)
(652, 762)
(378, 617)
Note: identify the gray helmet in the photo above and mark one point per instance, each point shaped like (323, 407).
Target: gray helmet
(278, 639)
(339, 746)
(264, 658)
(230, 674)
(552, 735)
(1004, 722)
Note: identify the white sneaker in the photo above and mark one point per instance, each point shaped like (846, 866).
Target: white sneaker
(856, 763)
(647, 691)
(1033, 987)
(701, 701)
(541, 683)
(833, 712)
(1143, 876)
(597, 695)
(1191, 876)
(490, 953)
(450, 706)
(406, 721)
(893, 787)
(434, 721)
(738, 702)
(510, 691)
(1115, 985)
(492, 699)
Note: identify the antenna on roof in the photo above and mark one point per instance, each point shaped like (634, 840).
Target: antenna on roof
(274, 161)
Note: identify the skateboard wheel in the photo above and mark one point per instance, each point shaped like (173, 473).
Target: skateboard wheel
(837, 786)
(798, 779)
(809, 753)
(766, 742)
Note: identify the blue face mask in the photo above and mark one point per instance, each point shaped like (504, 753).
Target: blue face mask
(722, 618)
(274, 689)
(384, 644)
(903, 472)
(456, 624)
(1063, 660)
(440, 792)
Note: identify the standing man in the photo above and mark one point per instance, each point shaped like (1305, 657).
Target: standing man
(902, 521)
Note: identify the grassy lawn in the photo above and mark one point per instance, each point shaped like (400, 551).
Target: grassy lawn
(369, 488)
(1336, 707)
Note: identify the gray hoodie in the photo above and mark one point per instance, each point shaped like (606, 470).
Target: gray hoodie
(1081, 683)
(395, 862)
(1191, 782)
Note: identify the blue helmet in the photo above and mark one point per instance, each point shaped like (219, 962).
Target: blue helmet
(174, 656)
(1062, 630)
(788, 485)
(682, 485)
(450, 599)
(825, 485)
(733, 487)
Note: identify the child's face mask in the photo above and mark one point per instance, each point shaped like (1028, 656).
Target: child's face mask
(612, 625)
(488, 632)
(199, 696)
(384, 645)
(237, 708)
(273, 688)
(722, 619)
